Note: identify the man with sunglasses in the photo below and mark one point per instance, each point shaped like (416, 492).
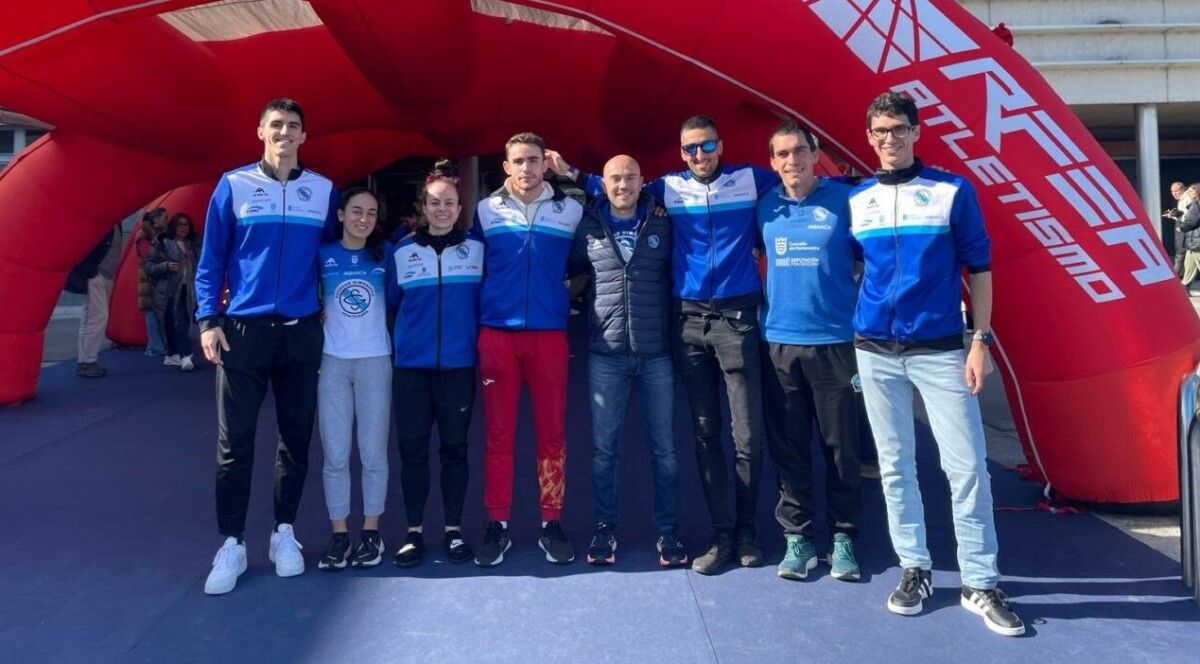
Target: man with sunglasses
(916, 228)
(716, 291)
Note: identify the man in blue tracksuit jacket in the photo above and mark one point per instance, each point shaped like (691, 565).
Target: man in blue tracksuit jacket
(526, 227)
(717, 292)
(809, 370)
(916, 228)
(264, 225)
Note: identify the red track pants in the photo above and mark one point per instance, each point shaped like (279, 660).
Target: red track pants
(506, 361)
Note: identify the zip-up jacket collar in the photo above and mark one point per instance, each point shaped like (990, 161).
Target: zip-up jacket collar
(556, 194)
(272, 173)
(426, 239)
(900, 175)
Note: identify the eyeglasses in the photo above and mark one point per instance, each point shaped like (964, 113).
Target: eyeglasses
(899, 132)
(709, 147)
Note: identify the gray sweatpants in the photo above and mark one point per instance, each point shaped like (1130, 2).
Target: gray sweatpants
(349, 389)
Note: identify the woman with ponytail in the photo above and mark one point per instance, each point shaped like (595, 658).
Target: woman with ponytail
(434, 276)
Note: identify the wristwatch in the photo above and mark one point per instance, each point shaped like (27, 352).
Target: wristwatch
(985, 337)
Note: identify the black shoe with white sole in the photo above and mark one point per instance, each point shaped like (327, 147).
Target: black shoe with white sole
(413, 549)
(916, 585)
(337, 554)
(369, 550)
(554, 543)
(457, 549)
(994, 607)
(495, 544)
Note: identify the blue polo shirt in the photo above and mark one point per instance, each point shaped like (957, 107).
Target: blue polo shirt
(810, 292)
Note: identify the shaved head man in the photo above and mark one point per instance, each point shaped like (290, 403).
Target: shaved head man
(627, 250)
(622, 184)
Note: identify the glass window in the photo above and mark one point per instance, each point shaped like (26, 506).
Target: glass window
(32, 135)
(7, 141)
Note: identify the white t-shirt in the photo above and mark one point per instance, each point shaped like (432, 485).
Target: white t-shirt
(353, 287)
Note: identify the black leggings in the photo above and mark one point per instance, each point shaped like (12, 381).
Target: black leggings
(421, 397)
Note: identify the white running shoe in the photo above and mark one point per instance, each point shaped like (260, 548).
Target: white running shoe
(285, 552)
(171, 361)
(186, 364)
(228, 565)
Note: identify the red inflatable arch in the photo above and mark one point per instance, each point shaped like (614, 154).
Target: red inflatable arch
(150, 96)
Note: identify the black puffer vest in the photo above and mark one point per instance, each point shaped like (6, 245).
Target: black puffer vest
(629, 302)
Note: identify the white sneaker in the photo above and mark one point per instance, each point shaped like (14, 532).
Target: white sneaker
(228, 565)
(186, 363)
(285, 552)
(171, 361)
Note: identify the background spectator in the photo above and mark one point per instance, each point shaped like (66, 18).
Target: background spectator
(93, 278)
(153, 224)
(172, 268)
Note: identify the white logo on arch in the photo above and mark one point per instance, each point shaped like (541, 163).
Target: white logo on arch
(892, 35)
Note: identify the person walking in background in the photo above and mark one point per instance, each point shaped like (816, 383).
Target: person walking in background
(171, 267)
(434, 278)
(354, 388)
(153, 223)
(93, 278)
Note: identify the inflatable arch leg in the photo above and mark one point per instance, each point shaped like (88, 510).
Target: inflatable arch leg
(72, 189)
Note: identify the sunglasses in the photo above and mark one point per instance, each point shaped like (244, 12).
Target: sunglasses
(709, 147)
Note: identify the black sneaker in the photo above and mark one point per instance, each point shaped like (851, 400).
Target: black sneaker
(749, 553)
(457, 549)
(413, 549)
(671, 552)
(495, 544)
(915, 585)
(603, 550)
(994, 607)
(337, 554)
(719, 552)
(90, 370)
(555, 544)
(369, 550)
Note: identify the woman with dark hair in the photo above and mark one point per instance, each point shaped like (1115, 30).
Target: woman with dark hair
(433, 288)
(153, 224)
(354, 386)
(171, 267)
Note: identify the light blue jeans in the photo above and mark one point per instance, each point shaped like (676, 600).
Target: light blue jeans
(155, 341)
(349, 392)
(887, 384)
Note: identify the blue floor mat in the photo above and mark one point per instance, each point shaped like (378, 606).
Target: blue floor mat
(110, 533)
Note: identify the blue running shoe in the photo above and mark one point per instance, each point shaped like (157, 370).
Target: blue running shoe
(801, 557)
(842, 564)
